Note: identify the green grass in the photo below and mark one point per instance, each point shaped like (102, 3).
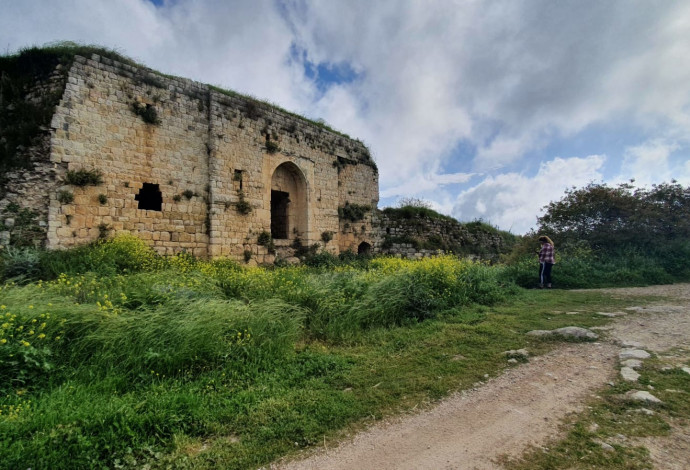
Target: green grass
(130, 359)
(135, 399)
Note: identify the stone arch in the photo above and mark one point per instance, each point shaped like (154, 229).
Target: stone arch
(289, 218)
(364, 248)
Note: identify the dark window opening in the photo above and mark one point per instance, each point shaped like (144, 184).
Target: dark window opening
(238, 177)
(279, 214)
(388, 230)
(364, 249)
(149, 197)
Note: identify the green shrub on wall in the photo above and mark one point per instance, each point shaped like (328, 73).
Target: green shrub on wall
(353, 212)
(84, 177)
(65, 197)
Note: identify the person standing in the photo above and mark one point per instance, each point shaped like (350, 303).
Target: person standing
(547, 258)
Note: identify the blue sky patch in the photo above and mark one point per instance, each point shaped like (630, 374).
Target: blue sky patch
(324, 74)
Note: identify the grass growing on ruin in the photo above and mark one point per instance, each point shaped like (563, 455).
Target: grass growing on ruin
(130, 359)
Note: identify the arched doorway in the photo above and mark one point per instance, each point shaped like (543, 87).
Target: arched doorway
(364, 248)
(288, 202)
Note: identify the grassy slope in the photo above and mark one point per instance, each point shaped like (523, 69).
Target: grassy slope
(204, 364)
(246, 420)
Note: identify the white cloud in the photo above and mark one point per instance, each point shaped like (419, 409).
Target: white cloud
(425, 183)
(501, 80)
(648, 163)
(513, 200)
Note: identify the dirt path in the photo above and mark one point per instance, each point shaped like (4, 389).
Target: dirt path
(523, 406)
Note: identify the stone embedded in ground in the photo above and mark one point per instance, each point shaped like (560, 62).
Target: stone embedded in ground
(637, 395)
(686, 370)
(632, 363)
(572, 313)
(566, 332)
(632, 344)
(607, 447)
(517, 353)
(629, 375)
(644, 411)
(633, 354)
(539, 333)
(611, 314)
(575, 332)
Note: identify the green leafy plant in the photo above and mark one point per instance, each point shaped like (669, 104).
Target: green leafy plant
(65, 197)
(147, 112)
(272, 147)
(242, 205)
(188, 193)
(102, 199)
(326, 236)
(103, 230)
(353, 212)
(247, 255)
(265, 239)
(84, 177)
(177, 198)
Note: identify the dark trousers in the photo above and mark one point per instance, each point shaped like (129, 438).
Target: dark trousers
(545, 273)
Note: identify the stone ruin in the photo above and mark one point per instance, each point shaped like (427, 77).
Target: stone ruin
(182, 165)
(97, 146)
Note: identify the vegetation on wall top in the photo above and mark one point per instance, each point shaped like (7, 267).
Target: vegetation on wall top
(18, 70)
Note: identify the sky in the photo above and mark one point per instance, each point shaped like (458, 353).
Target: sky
(486, 109)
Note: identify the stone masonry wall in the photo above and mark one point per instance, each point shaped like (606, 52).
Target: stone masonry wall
(212, 155)
(420, 237)
(27, 189)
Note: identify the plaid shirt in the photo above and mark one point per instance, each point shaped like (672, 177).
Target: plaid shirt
(546, 254)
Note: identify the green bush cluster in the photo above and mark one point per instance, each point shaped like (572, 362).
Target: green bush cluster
(353, 212)
(584, 268)
(84, 177)
(147, 112)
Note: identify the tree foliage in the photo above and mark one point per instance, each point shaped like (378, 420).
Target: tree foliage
(622, 216)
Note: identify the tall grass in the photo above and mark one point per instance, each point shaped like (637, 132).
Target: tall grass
(109, 350)
(583, 268)
(113, 356)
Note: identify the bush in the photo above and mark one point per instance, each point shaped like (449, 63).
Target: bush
(83, 177)
(353, 212)
(22, 263)
(147, 112)
(272, 147)
(65, 197)
(326, 236)
(584, 268)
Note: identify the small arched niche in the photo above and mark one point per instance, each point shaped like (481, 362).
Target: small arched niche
(364, 248)
(288, 202)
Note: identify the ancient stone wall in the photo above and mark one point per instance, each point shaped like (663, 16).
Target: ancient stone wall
(420, 237)
(187, 167)
(24, 196)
